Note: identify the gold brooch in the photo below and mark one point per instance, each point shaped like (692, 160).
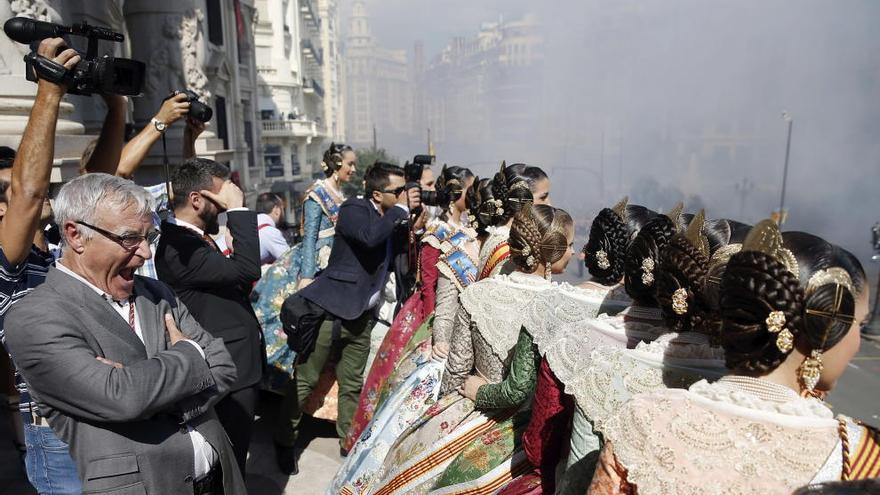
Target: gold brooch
(648, 272)
(776, 324)
(679, 301)
(602, 260)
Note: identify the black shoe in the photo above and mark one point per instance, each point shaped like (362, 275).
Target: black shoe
(343, 453)
(288, 460)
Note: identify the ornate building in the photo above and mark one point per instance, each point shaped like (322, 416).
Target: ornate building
(300, 101)
(202, 45)
(483, 93)
(379, 90)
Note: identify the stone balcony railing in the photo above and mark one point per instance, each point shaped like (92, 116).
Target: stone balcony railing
(294, 128)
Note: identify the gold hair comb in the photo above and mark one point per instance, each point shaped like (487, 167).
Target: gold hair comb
(695, 234)
(766, 238)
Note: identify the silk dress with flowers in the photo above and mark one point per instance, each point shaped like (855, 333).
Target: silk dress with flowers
(304, 260)
(438, 243)
(459, 444)
(410, 397)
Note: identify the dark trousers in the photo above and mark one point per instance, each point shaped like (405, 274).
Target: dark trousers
(353, 346)
(236, 413)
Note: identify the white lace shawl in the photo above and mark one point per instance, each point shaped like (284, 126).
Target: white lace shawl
(497, 306)
(715, 438)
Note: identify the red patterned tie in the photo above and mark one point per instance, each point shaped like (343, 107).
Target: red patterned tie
(131, 314)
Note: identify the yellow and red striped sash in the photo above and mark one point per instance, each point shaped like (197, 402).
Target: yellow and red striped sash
(501, 253)
(865, 462)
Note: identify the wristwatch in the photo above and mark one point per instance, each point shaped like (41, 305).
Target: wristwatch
(159, 125)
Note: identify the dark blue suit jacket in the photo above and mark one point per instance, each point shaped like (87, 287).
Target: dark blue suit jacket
(357, 265)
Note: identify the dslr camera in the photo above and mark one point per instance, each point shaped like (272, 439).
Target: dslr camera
(413, 174)
(93, 74)
(197, 110)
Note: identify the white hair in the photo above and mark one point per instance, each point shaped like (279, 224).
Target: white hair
(79, 199)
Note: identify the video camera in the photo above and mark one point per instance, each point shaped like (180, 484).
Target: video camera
(93, 74)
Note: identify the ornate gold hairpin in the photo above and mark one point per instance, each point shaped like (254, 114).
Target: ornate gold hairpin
(766, 238)
(695, 234)
(620, 207)
(719, 260)
(833, 275)
(675, 215)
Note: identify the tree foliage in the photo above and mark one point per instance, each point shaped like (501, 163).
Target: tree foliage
(365, 158)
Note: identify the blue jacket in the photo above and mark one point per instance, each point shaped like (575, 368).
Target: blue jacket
(359, 259)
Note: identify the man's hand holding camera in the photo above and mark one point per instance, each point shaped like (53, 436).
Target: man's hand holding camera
(56, 50)
(173, 109)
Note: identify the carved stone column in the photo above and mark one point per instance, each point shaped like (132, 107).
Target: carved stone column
(17, 94)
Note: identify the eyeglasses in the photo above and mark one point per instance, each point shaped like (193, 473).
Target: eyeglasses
(127, 241)
(396, 191)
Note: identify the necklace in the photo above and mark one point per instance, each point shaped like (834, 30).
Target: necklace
(762, 389)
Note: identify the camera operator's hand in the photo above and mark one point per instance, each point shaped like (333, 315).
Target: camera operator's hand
(411, 198)
(173, 109)
(229, 196)
(55, 49)
(421, 221)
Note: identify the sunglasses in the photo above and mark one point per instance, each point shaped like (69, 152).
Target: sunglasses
(127, 241)
(396, 191)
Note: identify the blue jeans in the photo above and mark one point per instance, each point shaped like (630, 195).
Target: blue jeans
(50, 468)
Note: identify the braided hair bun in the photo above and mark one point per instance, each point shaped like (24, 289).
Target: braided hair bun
(482, 206)
(538, 237)
(333, 157)
(754, 285)
(605, 250)
(680, 279)
(643, 257)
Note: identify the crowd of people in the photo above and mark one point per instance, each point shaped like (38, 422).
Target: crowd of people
(694, 360)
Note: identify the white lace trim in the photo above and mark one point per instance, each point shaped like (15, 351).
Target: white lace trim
(496, 305)
(725, 393)
(688, 345)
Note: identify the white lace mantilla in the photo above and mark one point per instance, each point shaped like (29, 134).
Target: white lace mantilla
(711, 440)
(726, 392)
(497, 306)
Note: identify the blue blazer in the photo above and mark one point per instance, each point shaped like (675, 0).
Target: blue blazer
(358, 261)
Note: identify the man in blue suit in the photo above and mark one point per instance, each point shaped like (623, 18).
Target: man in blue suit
(369, 232)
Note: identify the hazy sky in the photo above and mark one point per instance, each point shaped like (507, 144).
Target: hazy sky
(650, 93)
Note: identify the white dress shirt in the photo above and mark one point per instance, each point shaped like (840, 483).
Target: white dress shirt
(204, 455)
(272, 241)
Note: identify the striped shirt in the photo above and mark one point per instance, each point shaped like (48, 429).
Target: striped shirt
(15, 283)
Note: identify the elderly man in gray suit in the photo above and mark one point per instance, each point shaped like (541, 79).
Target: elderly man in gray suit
(117, 365)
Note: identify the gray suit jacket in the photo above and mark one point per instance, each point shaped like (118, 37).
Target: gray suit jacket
(124, 426)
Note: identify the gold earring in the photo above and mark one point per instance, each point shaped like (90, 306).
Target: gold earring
(810, 371)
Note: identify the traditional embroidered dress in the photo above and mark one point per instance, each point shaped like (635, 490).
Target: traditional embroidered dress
(461, 446)
(445, 245)
(304, 260)
(411, 393)
(737, 435)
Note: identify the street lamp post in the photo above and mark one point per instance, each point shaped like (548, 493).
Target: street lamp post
(787, 118)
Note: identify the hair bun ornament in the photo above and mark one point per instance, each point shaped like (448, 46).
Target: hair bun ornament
(324, 166)
(775, 322)
(648, 272)
(620, 207)
(766, 238)
(679, 301)
(602, 259)
(675, 215)
(695, 233)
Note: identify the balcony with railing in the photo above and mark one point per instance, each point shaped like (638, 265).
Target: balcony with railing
(289, 128)
(311, 86)
(310, 52)
(307, 10)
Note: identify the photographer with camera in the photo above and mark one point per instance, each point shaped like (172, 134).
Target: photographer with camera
(336, 310)
(24, 264)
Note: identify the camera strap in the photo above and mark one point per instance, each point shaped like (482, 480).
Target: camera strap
(46, 69)
(167, 169)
